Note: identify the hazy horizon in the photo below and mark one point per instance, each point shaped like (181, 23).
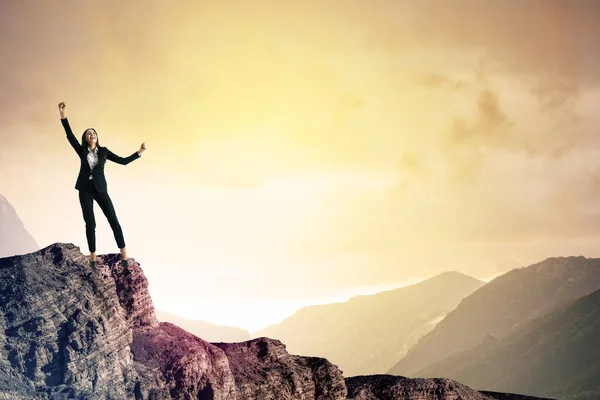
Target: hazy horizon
(305, 152)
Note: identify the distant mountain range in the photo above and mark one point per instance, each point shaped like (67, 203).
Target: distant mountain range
(14, 238)
(503, 305)
(557, 355)
(368, 334)
(205, 330)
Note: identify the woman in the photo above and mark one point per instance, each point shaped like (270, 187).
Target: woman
(91, 184)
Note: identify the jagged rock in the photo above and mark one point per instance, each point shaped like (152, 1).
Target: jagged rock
(508, 396)
(384, 387)
(392, 387)
(69, 332)
(177, 364)
(264, 370)
(63, 325)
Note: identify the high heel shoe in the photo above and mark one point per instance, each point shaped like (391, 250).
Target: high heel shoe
(93, 265)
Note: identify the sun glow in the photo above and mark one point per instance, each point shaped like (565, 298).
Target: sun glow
(252, 315)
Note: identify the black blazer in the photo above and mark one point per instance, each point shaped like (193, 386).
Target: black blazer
(103, 154)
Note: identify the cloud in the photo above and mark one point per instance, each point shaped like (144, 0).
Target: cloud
(558, 94)
(490, 122)
(437, 80)
(482, 110)
(413, 163)
(555, 38)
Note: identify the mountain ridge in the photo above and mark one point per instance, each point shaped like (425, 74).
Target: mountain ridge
(390, 320)
(562, 356)
(502, 305)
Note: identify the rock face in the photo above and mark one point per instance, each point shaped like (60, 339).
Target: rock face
(379, 328)
(397, 387)
(388, 387)
(265, 371)
(67, 332)
(205, 330)
(503, 305)
(14, 238)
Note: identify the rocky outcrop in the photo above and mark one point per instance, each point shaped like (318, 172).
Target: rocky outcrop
(67, 332)
(390, 387)
(264, 370)
(508, 396)
(63, 327)
(14, 238)
(397, 387)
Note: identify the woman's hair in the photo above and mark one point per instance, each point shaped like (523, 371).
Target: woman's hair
(84, 143)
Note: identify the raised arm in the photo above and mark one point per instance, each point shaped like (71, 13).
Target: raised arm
(124, 161)
(120, 160)
(65, 123)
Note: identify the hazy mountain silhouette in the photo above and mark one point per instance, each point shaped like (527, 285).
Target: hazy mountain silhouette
(502, 306)
(14, 238)
(205, 330)
(557, 355)
(368, 334)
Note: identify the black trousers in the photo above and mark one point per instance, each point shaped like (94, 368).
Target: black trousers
(86, 199)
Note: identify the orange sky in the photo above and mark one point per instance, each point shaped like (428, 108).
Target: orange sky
(303, 153)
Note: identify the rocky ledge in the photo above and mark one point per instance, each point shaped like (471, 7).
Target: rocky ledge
(71, 333)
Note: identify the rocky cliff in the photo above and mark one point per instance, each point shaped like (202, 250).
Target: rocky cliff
(71, 333)
(384, 387)
(68, 332)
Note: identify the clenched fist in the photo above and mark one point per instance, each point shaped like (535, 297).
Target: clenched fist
(61, 108)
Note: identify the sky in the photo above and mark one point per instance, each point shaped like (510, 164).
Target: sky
(306, 152)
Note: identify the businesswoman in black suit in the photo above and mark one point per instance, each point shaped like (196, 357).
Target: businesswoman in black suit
(91, 184)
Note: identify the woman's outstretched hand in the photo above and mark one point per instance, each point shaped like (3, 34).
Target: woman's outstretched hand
(61, 108)
(142, 148)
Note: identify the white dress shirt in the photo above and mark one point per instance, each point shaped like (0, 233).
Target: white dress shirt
(92, 158)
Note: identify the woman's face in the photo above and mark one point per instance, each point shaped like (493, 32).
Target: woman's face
(91, 137)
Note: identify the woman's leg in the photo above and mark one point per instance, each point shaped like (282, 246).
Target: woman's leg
(123, 253)
(108, 209)
(86, 200)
